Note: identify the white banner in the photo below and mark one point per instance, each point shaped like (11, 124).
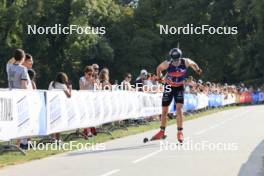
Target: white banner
(22, 114)
(62, 112)
(229, 99)
(34, 113)
(86, 109)
(202, 101)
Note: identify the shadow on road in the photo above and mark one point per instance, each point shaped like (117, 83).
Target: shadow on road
(145, 146)
(255, 164)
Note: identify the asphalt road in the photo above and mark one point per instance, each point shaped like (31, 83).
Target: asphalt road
(227, 143)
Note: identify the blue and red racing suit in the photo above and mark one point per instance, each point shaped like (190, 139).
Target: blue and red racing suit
(175, 79)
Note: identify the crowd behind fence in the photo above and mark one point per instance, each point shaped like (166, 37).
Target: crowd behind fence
(32, 112)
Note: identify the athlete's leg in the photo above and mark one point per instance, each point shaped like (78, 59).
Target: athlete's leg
(179, 100)
(164, 116)
(179, 112)
(166, 100)
(179, 119)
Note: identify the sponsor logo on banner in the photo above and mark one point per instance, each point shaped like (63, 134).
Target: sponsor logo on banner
(6, 109)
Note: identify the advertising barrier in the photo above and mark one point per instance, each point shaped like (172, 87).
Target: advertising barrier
(37, 113)
(22, 113)
(246, 97)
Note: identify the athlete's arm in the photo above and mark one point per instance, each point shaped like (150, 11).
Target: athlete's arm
(163, 66)
(194, 66)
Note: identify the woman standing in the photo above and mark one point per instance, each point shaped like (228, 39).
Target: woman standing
(88, 82)
(61, 83)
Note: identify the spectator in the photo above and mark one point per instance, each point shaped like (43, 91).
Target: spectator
(87, 82)
(10, 62)
(18, 78)
(104, 79)
(28, 63)
(148, 85)
(148, 81)
(62, 83)
(154, 79)
(96, 73)
(189, 84)
(126, 83)
(140, 80)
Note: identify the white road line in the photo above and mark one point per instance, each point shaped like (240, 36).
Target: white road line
(111, 172)
(219, 124)
(147, 156)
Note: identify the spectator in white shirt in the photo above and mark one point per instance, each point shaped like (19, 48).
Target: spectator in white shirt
(87, 82)
(61, 83)
(126, 83)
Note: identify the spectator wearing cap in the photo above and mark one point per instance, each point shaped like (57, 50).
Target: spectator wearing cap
(140, 80)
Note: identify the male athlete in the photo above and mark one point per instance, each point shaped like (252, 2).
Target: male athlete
(176, 73)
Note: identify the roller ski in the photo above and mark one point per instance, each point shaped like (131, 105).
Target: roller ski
(159, 136)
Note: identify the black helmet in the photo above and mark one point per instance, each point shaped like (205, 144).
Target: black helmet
(175, 53)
